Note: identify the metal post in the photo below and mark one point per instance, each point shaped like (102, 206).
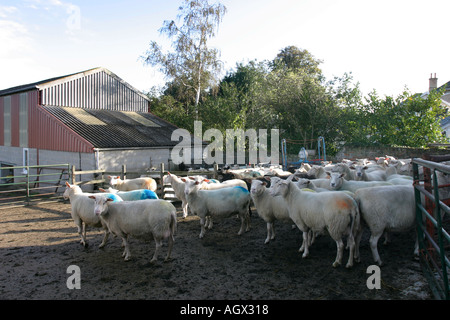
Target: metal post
(440, 237)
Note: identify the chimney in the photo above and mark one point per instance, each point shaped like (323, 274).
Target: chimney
(433, 82)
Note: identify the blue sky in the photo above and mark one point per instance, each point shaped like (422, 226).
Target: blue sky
(386, 44)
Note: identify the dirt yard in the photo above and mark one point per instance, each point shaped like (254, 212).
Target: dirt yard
(38, 244)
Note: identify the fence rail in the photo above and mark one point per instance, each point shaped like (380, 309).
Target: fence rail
(433, 237)
(23, 185)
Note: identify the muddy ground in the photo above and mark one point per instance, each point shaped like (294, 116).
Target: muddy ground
(38, 243)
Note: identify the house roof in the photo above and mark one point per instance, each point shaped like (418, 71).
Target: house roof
(116, 129)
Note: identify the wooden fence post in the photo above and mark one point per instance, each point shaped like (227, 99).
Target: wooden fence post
(161, 182)
(73, 175)
(123, 175)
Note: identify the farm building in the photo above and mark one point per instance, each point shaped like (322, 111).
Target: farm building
(91, 119)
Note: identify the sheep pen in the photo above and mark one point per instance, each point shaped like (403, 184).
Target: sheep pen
(38, 244)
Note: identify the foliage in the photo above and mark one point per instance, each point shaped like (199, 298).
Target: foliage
(289, 93)
(192, 64)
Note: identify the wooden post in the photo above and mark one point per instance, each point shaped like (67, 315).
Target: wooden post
(73, 175)
(161, 182)
(123, 174)
(216, 168)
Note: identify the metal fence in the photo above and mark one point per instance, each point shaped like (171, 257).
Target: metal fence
(432, 217)
(23, 185)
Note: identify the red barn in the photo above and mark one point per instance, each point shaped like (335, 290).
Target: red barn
(91, 119)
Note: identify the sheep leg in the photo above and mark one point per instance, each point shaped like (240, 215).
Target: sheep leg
(305, 245)
(209, 222)
(158, 245)
(202, 228)
(358, 236)
(340, 251)
(105, 239)
(351, 245)
(81, 226)
(241, 230)
(269, 232)
(169, 250)
(126, 252)
(373, 246)
(184, 205)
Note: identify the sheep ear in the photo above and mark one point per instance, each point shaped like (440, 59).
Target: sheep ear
(168, 173)
(102, 190)
(342, 175)
(109, 199)
(196, 182)
(206, 180)
(183, 179)
(67, 184)
(328, 173)
(264, 183)
(91, 197)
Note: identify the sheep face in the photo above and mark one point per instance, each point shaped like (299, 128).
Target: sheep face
(280, 188)
(257, 187)
(190, 186)
(303, 183)
(114, 180)
(101, 204)
(336, 180)
(71, 189)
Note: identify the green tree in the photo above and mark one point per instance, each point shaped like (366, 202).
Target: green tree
(192, 63)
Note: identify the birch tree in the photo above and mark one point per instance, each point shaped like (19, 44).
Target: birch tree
(191, 63)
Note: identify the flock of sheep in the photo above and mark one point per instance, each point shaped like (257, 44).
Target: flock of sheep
(340, 199)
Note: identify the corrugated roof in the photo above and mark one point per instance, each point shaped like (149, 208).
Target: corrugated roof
(114, 129)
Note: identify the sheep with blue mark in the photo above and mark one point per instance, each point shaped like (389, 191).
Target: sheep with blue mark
(220, 203)
(82, 211)
(140, 194)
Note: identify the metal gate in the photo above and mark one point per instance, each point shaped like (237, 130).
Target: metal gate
(24, 185)
(432, 219)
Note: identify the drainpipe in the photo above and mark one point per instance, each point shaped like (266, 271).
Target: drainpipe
(97, 158)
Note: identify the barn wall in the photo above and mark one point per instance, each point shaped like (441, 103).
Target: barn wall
(136, 160)
(98, 89)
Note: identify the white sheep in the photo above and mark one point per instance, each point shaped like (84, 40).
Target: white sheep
(220, 203)
(337, 182)
(363, 173)
(269, 207)
(385, 209)
(225, 184)
(132, 184)
(303, 183)
(178, 187)
(142, 219)
(335, 212)
(82, 212)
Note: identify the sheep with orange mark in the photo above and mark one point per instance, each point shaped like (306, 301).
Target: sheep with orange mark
(386, 208)
(335, 212)
(132, 184)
